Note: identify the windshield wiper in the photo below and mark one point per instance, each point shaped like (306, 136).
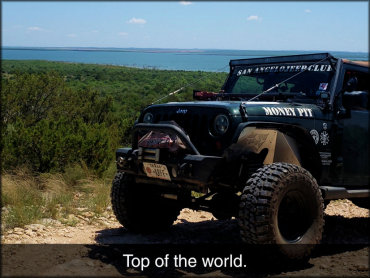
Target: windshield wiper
(231, 96)
(276, 86)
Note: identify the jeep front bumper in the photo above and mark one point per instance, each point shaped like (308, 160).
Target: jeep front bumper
(189, 169)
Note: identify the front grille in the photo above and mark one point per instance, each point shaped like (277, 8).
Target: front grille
(197, 123)
(195, 126)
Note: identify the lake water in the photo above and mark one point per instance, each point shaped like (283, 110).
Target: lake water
(175, 59)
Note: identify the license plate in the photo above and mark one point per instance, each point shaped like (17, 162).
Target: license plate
(154, 170)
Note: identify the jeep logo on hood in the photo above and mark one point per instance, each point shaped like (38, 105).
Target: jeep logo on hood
(182, 111)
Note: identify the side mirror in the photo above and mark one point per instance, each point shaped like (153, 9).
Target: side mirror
(351, 84)
(355, 100)
(344, 114)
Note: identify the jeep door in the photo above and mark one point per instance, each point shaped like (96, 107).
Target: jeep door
(352, 165)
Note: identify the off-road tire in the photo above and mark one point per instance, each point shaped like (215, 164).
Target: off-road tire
(265, 215)
(139, 208)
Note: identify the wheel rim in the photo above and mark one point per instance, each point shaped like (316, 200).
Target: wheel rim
(294, 216)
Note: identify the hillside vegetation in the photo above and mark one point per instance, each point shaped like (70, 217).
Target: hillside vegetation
(54, 114)
(58, 118)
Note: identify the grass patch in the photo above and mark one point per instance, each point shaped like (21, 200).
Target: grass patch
(99, 198)
(70, 222)
(75, 176)
(28, 198)
(111, 171)
(21, 196)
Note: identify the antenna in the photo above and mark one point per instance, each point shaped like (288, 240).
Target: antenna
(185, 86)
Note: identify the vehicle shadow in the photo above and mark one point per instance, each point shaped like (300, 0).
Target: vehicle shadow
(343, 234)
(205, 232)
(214, 238)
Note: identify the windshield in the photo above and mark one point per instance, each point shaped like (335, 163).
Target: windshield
(252, 80)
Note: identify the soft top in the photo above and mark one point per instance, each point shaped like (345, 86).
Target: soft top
(357, 63)
(294, 58)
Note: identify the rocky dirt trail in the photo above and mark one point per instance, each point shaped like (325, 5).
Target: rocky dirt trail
(50, 248)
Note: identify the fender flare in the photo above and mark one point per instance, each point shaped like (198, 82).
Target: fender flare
(309, 154)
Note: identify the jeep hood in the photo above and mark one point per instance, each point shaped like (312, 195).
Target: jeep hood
(233, 107)
(256, 109)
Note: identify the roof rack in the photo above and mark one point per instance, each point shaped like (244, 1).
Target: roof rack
(282, 59)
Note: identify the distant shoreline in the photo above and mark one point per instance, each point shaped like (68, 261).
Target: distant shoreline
(164, 59)
(105, 49)
(99, 64)
(172, 50)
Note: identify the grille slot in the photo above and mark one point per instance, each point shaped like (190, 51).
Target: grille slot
(148, 154)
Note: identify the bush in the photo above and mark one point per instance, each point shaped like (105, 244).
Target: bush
(48, 127)
(56, 114)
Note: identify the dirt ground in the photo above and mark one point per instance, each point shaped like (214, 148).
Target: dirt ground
(94, 247)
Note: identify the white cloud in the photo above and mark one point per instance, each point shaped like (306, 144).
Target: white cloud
(35, 28)
(135, 20)
(254, 17)
(72, 35)
(307, 11)
(122, 34)
(185, 3)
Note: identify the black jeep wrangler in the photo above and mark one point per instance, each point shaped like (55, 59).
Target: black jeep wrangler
(283, 137)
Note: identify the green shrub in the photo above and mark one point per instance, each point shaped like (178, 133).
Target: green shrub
(48, 126)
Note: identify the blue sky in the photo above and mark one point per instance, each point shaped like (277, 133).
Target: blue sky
(329, 26)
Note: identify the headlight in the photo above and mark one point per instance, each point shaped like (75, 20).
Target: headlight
(221, 124)
(148, 118)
